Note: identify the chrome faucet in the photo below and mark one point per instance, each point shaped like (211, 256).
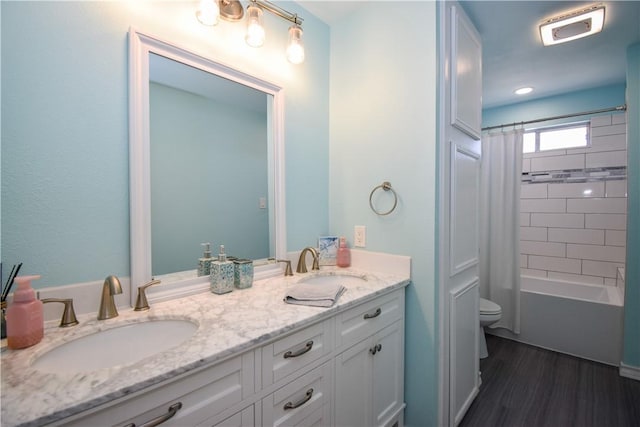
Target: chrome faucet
(302, 261)
(141, 302)
(110, 288)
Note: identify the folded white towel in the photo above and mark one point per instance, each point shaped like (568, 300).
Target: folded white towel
(314, 295)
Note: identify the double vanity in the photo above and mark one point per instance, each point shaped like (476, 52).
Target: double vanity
(241, 359)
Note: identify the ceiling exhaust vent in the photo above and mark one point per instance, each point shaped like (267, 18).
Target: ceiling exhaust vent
(573, 25)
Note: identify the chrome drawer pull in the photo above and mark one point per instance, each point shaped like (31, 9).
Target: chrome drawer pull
(173, 409)
(300, 352)
(305, 399)
(375, 314)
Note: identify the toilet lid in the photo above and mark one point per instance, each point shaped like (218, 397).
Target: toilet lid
(489, 307)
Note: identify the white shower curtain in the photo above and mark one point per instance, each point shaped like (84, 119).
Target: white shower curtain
(501, 173)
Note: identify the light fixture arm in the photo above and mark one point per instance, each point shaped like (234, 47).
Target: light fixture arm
(278, 11)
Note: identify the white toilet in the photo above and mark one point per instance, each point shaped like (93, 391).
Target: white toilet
(490, 313)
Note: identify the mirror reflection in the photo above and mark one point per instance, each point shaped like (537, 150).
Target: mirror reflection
(209, 167)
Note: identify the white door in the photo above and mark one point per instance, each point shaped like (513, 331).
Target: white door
(459, 148)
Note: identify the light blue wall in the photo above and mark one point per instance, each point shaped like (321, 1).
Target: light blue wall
(65, 163)
(208, 172)
(631, 350)
(573, 102)
(383, 121)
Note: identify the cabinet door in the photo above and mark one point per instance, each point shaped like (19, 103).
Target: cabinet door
(387, 375)
(353, 392)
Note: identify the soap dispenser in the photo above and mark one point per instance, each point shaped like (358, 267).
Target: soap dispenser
(204, 263)
(25, 321)
(343, 257)
(221, 276)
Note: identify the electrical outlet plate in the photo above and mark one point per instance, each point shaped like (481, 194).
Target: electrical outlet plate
(360, 236)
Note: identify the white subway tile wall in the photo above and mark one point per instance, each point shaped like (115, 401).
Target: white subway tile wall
(577, 231)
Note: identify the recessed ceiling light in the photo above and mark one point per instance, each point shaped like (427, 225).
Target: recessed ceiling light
(523, 90)
(572, 25)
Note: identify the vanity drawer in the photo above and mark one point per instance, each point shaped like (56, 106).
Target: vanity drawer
(244, 418)
(304, 401)
(296, 351)
(200, 395)
(364, 320)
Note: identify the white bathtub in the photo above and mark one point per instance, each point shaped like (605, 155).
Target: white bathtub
(577, 319)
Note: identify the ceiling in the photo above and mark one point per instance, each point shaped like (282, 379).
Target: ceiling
(513, 55)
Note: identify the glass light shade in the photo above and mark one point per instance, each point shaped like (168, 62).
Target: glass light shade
(208, 12)
(295, 48)
(255, 28)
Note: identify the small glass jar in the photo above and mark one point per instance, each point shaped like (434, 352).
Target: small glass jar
(243, 273)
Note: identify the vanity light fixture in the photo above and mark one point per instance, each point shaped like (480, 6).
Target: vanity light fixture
(231, 10)
(573, 25)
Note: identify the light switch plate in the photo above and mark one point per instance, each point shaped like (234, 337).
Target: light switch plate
(360, 236)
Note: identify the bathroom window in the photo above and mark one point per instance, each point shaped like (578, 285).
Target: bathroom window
(574, 135)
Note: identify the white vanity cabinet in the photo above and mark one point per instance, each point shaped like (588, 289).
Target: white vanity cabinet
(369, 374)
(346, 369)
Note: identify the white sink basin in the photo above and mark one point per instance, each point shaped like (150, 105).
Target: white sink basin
(331, 279)
(122, 345)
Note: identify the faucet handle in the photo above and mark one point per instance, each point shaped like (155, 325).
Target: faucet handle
(141, 302)
(287, 269)
(68, 315)
(316, 260)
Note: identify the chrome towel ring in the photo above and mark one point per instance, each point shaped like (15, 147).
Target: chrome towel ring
(386, 186)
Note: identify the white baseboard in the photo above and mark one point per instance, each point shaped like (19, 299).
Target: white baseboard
(628, 371)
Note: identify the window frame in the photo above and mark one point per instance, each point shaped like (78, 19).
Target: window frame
(573, 125)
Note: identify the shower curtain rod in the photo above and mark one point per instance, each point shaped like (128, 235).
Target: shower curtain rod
(565, 116)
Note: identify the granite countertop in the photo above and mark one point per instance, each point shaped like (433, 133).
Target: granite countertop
(227, 325)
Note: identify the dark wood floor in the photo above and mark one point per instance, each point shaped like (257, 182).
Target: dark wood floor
(528, 386)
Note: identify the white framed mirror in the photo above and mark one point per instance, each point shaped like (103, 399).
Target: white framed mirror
(167, 226)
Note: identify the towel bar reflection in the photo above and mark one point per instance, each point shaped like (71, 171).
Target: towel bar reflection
(386, 186)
